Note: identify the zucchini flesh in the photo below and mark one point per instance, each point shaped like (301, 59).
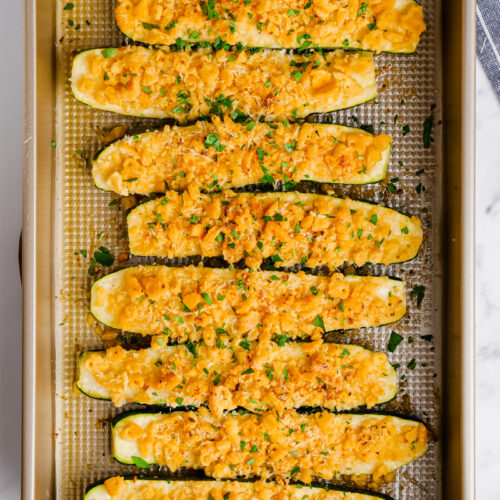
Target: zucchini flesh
(287, 444)
(290, 228)
(331, 376)
(217, 155)
(159, 83)
(193, 303)
(160, 489)
(390, 25)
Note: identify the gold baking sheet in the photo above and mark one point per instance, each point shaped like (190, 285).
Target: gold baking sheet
(409, 85)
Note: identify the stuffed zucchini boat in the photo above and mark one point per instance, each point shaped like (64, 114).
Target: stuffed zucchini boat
(289, 445)
(388, 25)
(156, 488)
(193, 303)
(224, 154)
(249, 375)
(159, 83)
(289, 228)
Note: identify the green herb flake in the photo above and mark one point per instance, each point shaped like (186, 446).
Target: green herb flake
(394, 341)
(107, 53)
(297, 75)
(206, 298)
(140, 462)
(412, 364)
(427, 132)
(318, 321)
(418, 293)
(104, 257)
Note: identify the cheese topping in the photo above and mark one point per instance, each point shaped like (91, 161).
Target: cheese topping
(288, 228)
(184, 85)
(202, 303)
(224, 154)
(171, 489)
(379, 25)
(253, 375)
(288, 445)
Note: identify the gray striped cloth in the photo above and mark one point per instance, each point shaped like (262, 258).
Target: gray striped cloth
(488, 39)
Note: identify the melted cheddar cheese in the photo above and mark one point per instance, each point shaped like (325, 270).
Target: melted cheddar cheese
(157, 489)
(379, 25)
(202, 303)
(289, 228)
(184, 85)
(287, 445)
(224, 154)
(249, 375)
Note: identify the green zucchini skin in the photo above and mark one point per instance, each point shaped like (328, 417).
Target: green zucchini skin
(182, 119)
(95, 488)
(305, 410)
(87, 384)
(123, 458)
(136, 221)
(375, 179)
(208, 32)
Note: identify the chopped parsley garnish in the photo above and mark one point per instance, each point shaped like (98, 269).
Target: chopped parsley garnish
(297, 75)
(104, 256)
(140, 462)
(418, 293)
(107, 53)
(208, 9)
(206, 298)
(394, 341)
(426, 134)
(318, 321)
(362, 9)
(280, 339)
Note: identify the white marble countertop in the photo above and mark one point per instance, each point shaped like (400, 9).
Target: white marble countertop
(487, 287)
(488, 270)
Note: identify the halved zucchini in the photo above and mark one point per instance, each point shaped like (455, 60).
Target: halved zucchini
(158, 83)
(156, 488)
(289, 228)
(250, 375)
(225, 154)
(288, 444)
(389, 26)
(200, 303)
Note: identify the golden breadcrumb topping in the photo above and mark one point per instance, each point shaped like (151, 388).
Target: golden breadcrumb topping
(156, 489)
(202, 303)
(253, 375)
(288, 228)
(158, 83)
(287, 445)
(224, 154)
(379, 25)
